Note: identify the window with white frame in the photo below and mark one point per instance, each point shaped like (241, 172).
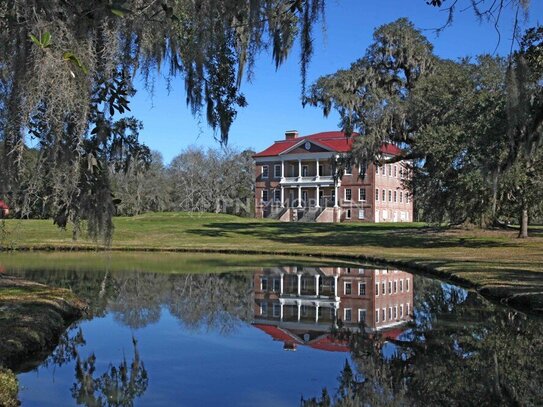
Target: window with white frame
(277, 170)
(407, 309)
(390, 287)
(265, 171)
(264, 308)
(401, 311)
(384, 195)
(395, 196)
(276, 284)
(361, 288)
(389, 312)
(407, 197)
(265, 196)
(384, 314)
(395, 286)
(277, 195)
(349, 170)
(348, 194)
(348, 314)
(376, 315)
(395, 172)
(377, 289)
(401, 196)
(362, 194)
(406, 284)
(362, 315)
(361, 213)
(348, 288)
(376, 194)
(264, 284)
(348, 214)
(401, 286)
(395, 312)
(384, 290)
(389, 195)
(376, 170)
(389, 168)
(276, 310)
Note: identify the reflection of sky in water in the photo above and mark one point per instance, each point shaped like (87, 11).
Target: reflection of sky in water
(194, 367)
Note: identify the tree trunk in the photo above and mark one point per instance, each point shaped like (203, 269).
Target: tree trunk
(523, 233)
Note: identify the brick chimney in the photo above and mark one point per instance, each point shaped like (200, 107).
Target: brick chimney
(291, 134)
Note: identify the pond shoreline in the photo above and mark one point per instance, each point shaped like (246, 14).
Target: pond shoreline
(33, 316)
(529, 301)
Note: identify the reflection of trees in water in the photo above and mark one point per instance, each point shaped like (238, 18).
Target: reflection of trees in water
(460, 350)
(118, 386)
(214, 301)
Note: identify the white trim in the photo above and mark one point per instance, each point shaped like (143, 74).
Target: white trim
(345, 194)
(262, 171)
(365, 288)
(303, 141)
(345, 287)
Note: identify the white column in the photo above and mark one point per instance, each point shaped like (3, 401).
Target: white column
(318, 205)
(335, 285)
(317, 313)
(299, 284)
(317, 277)
(318, 172)
(281, 285)
(282, 169)
(299, 310)
(336, 189)
(282, 196)
(282, 305)
(299, 196)
(300, 169)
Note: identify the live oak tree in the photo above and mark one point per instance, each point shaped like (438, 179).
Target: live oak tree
(66, 70)
(467, 126)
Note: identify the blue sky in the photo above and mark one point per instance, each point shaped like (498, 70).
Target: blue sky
(274, 95)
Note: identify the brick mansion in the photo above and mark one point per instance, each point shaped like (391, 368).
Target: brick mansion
(295, 182)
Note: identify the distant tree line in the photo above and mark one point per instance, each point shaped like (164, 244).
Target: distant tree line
(219, 180)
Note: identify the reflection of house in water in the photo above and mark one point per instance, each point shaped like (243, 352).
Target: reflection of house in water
(300, 305)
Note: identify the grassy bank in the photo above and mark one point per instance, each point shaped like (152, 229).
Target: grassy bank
(496, 262)
(32, 318)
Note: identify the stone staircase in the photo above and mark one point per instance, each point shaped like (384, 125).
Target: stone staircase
(310, 215)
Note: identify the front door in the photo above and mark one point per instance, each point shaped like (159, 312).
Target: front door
(304, 199)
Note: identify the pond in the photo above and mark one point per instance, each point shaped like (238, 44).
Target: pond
(277, 335)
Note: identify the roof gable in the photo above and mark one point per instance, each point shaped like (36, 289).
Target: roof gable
(333, 141)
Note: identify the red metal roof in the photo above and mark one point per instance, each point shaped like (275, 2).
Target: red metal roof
(334, 140)
(326, 343)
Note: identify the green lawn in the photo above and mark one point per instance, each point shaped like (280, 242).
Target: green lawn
(494, 261)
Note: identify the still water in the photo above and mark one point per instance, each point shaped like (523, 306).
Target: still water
(278, 336)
